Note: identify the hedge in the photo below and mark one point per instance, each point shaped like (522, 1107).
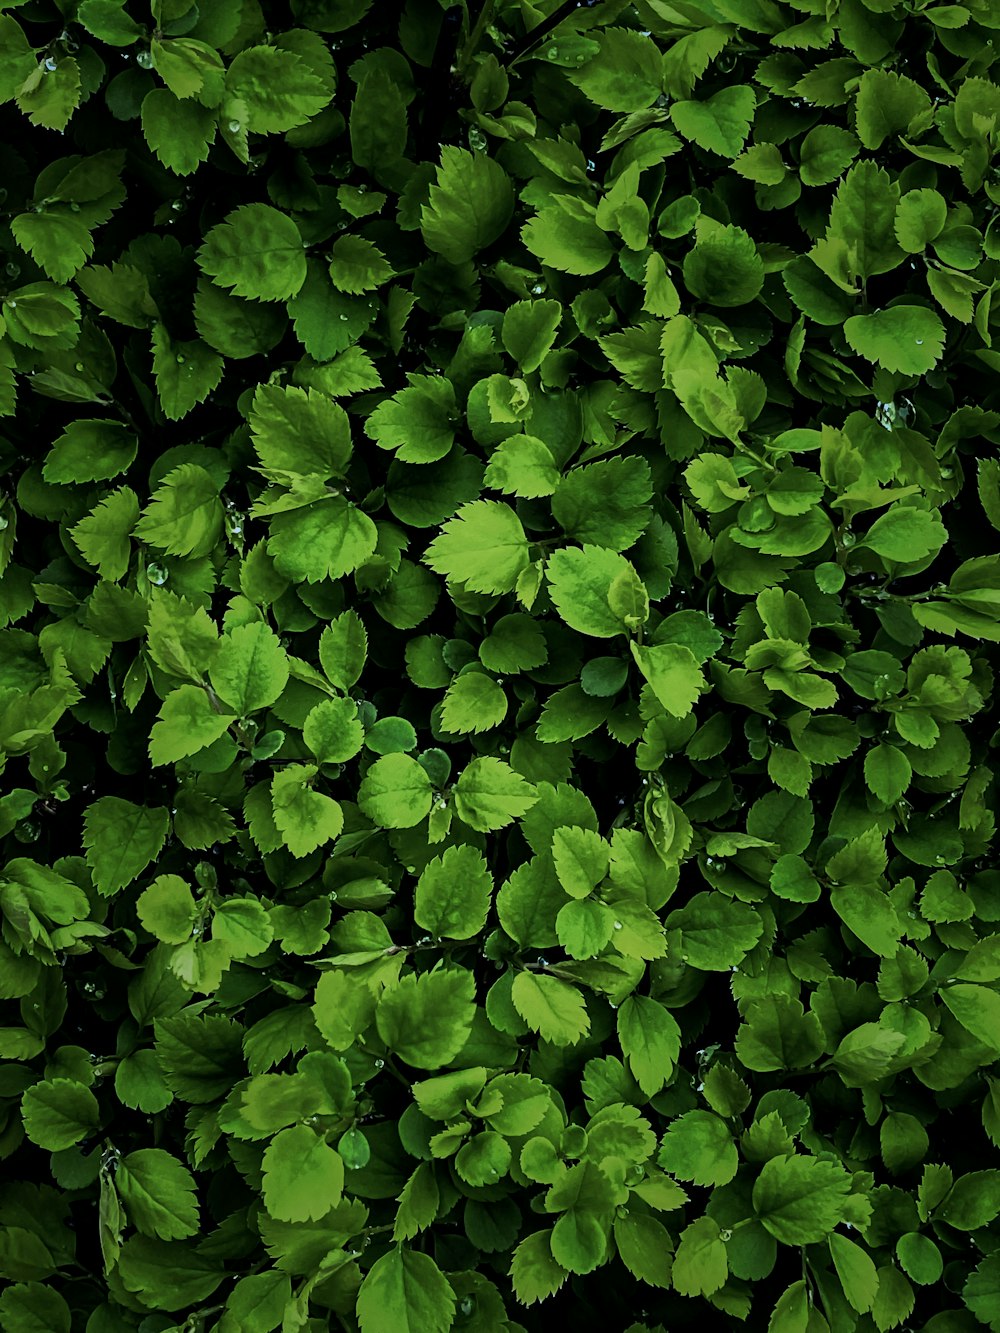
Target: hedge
(500, 599)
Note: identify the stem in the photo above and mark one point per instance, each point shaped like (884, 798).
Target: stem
(476, 36)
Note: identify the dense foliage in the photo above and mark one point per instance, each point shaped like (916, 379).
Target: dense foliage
(500, 601)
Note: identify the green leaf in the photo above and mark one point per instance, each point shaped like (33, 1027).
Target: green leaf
(468, 206)
(522, 466)
(857, 1272)
(303, 1175)
(50, 96)
(121, 839)
(454, 894)
(277, 87)
(977, 1008)
(624, 75)
(103, 536)
(528, 331)
(552, 1008)
(650, 1041)
(484, 547)
(886, 105)
(581, 859)
(700, 1264)
(673, 674)
(973, 1202)
(801, 1199)
(417, 422)
(778, 1034)
(396, 792)
(333, 731)
(887, 773)
(323, 540)
(919, 1258)
(180, 133)
(59, 244)
(243, 926)
(186, 724)
(167, 909)
(158, 1193)
(255, 252)
(405, 1292)
(299, 431)
(698, 1147)
(186, 372)
(93, 450)
(716, 932)
(581, 582)
(605, 504)
(721, 123)
(906, 534)
(724, 267)
(306, 819)
(825, 153)
(904, 338)
(920, 218)
(861, 219)
(489, 795)
(184, 517)
(356, 265)
(343, 646)
(535, 1273)
(170, 1274)
(565, 236)
(59, 1112)
(866, 910)
(427, 1019)
(30, 1307)
(644, 1247)
(250, 669)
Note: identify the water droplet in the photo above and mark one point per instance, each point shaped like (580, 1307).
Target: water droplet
(12, 303)
(379, 1063)
(178, 205)
(553, 52)
(12, 270)
(848, 539)
(234, 127)
(466, 1305)
(180, 359)
(477, 139)
(920, 342)
(4, 524)
(618, 925)
(79, 367)
(591, 166)
(144, 60)
(51, 64)
(537, 289)
(344, 318)
(156, 574)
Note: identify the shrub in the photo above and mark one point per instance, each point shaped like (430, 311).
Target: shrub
(500, 596)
